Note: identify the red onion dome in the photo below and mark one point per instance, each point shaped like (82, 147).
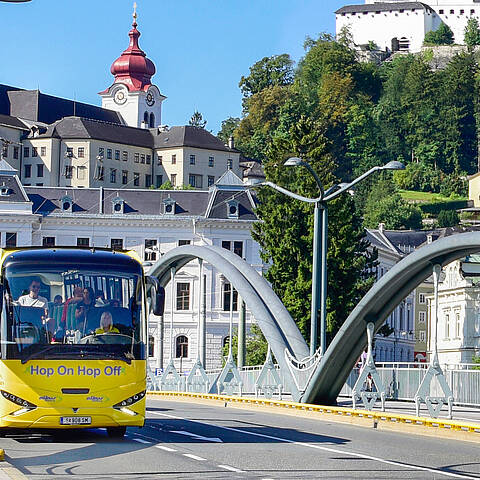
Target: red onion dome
(133, 68)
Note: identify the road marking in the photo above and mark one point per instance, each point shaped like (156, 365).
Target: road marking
(197, 437)
(140, 440)
(328, 449)
(232, 469)
(167, 449)
(195, 457)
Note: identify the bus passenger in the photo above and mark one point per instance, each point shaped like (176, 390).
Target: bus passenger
(77, 297)
(58, 300)
(106, 324)
(33, 299)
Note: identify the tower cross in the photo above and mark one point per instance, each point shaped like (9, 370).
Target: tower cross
(135, 11)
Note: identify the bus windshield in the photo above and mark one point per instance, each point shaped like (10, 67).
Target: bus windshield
(55, 312)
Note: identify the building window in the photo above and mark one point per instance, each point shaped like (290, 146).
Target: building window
(117, 154)
(152, 120)
(472, 11)
(142, 158)
(34, 152)
(452, 12)
(183, 296)
(457, 325)
(26, 152)
(40, 170)
(173, 179)
(151, 248)
(113, 175)
(226, 298)
(101, 152)
(195, 180)
(192, 159)
(81, 152)
(148, 181)
(109, 153)
(174, 159)
(440, 11)
(16, 152)
(136, 157)
(100, 173)
(43, 151)
(10, 239)
(125, 155)
(5, 151)
(69, 152)
(211, 180)
(181, 350)
(68, 171)
(116, 243)
(83, 242)
(422, 337)
(211, 162)
(462, 11)
(151, 346)
(422, 317)
(149, 159)
(160, 160)
(184, 242)
(48, 241)
(159, 181)
(27, 169)
(447, 325)
(136, 179)
(235, 247)
(81, 173)
(229, 164)
(124, 177)
(421, 298)
(39, 184)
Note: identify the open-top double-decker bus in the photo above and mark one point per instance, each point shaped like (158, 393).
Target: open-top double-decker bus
(73, 338)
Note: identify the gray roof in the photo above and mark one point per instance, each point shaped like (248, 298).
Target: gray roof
(77, 127)
(11, 188)
(188, 136)
(4, 100)
(37, 106)
(12, 121)
(137, 202)
(383, 7)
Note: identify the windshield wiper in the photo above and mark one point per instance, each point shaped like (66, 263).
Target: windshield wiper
(127, 357)
(38, 353)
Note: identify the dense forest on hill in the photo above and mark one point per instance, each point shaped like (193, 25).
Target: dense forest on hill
(346, 116)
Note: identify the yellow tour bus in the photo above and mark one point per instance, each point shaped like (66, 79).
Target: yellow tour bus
(73, 338)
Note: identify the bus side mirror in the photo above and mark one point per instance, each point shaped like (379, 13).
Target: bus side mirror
(157, 296)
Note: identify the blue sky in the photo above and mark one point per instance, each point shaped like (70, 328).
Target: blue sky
(200, 48)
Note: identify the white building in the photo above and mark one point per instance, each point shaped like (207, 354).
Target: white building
(150, 222)
(52, 141)
(397, 25)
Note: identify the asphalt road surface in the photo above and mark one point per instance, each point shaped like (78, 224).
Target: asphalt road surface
(198, 441)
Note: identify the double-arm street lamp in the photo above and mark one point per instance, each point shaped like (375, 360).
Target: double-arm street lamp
(319, 267)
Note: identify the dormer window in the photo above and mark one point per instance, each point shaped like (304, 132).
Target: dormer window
(232, 209)
(169, 206)
(66, 204)
(118, 205)
(5, 191)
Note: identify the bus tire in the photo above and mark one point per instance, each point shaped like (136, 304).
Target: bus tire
(116, 432)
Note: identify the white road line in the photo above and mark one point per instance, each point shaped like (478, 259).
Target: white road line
(232, 469)
(167, 449)
(140, 440)
(197, 437)
(329, 449)
(194, 457)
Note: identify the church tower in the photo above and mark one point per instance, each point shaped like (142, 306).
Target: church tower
(132, 93)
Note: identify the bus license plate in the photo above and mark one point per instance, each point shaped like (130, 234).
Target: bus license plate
(75, 420)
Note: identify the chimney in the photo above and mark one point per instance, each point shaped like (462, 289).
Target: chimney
(231, 142)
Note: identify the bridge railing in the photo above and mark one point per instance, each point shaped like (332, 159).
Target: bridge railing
(401, 381)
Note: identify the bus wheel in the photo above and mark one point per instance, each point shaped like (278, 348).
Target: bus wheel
(116, 432)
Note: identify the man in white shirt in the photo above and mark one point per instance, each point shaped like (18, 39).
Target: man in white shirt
(33, 299)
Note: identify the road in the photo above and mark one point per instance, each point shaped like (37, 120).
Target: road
(195, 441)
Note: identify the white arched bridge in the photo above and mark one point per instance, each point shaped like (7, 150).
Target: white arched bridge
(280, 330)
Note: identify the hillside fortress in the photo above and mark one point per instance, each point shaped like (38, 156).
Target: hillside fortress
(394, 25)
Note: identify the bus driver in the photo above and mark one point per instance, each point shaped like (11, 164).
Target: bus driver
(106, 324)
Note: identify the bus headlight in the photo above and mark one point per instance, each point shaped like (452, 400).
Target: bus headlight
(25, 405)
(124, 404)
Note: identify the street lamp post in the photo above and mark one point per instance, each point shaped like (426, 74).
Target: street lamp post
(320, 234)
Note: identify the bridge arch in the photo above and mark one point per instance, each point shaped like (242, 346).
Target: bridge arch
(375, 306)
(272, 317)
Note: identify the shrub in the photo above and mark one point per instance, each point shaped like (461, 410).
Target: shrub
(447, 218)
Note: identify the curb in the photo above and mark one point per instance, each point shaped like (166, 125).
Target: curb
(2, 454)
(410, 424)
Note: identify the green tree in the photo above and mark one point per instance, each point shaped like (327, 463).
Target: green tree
(256, 346)
(276, 70)
(476, 359)
(447, 218)
(442, 36)
(197, 120)
(472, 33)
(228, 127)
